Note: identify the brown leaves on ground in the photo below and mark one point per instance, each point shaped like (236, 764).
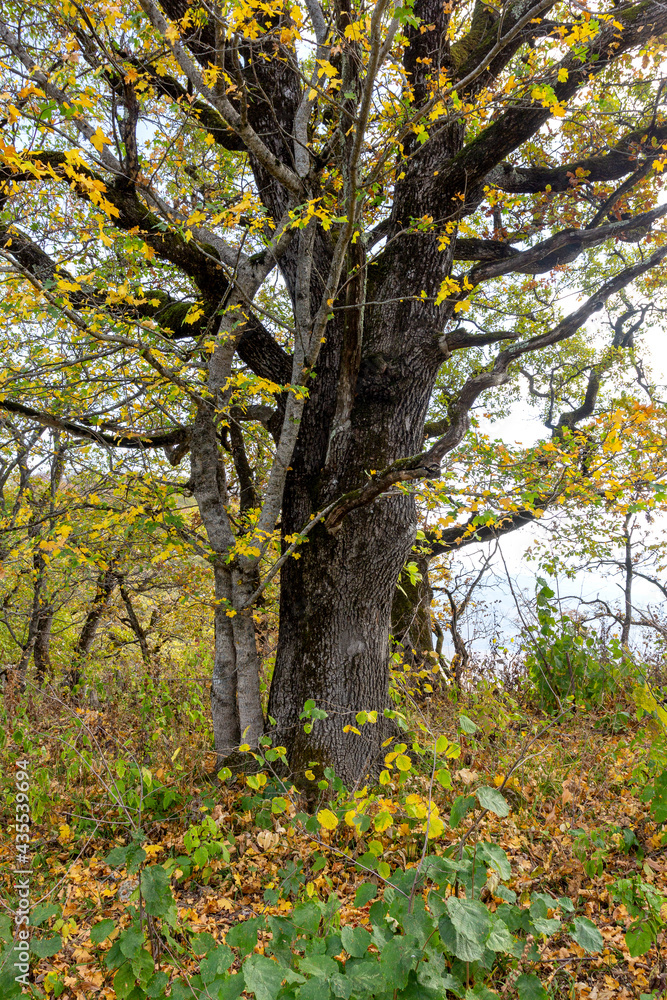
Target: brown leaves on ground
(572, 799)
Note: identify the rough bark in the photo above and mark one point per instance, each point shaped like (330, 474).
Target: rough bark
(106, 584)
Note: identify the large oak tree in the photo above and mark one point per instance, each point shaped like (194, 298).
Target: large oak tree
(220, 216)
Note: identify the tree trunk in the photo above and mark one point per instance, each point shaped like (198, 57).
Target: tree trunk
(336, 599)
(335, 614)
(627, 590)
(42, 643)
(106, 584)
(226, 728)
(135, 624)
(412, 628)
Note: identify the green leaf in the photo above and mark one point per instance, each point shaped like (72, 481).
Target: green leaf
(10, 989)
(467, 725)
(529, 987)
(45, 947)
(491, 799)
(399, 956)
(200, 856)
(131, 942)
(124, 981)
(5, 928)
(307, 917)
(101, 930)
(244, 935)
(318, 965)
(639, 938)
(156, 985)
(500, 938)
(470, 917)
(543, 925)
(443, 776)
(231, 988)
(495, 857)
(216, 962)
(314, 989)
(42, 912)
(263, 977)
(659, 800)
(355, 940)
(416, 990)
(155, 888)
(586, 934)
(460, 806)
(364, 894)
(203, 943)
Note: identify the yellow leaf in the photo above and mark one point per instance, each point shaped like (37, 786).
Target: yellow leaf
(383, 821)
(403, 762)
(327, 819)
(99, 140)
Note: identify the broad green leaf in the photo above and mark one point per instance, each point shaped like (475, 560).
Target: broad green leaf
(470, 917)
(467, 725)
(529, 987)
(101, 930)
(203, 943)
(263, 977)
(156, 891)
(45, 947)
(659, 800)
(244, 935)
(495, 857)
(216, 962)
(131, 942)
(42, 912)
(586, 934)
(399, 956)
(460, 807)
(156, 985)
(365, 893)
(500, 938)
(639, 938)
(548, 926)
(124, 981)
(491, 799)
(355, 940)
(318, 965)
(444, 777)
(314, 989)
(307, 916)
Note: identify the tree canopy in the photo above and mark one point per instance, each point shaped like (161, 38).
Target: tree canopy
(303, 244)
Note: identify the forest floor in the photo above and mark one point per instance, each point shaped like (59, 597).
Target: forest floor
(140, 767)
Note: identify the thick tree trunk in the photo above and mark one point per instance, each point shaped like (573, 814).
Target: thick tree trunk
(335, 615)
(336, 599)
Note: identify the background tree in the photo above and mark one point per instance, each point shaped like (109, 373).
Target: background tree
(210, 207)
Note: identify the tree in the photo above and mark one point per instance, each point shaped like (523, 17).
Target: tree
(259, 214)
